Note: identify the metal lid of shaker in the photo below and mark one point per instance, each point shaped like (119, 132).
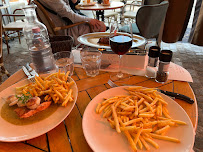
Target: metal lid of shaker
(165, 55)
(154, 51)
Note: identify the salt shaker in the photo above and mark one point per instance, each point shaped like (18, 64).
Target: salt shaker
(164, 63)
(151, 68)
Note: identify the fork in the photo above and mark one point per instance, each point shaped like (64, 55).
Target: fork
(112, 84)
(30, 77)
(31, 71)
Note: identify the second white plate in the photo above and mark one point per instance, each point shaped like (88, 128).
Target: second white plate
(101, 137)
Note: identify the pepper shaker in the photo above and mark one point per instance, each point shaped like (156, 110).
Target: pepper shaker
(151, 68)
(164, 63)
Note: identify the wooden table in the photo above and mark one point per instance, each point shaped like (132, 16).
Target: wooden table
(99, 8)
(68, 136)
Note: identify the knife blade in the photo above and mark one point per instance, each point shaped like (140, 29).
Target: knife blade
(26, 72)
(178, 96)
(31, 70)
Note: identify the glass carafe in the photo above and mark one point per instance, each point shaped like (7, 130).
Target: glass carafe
(36, 33)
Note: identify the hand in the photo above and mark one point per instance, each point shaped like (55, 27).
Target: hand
(97, 25)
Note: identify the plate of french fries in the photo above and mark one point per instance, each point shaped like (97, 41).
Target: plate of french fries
(125, 119)
(57, 88)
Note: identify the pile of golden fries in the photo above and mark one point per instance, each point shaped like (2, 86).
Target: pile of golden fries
(54, 87)
(141, 116)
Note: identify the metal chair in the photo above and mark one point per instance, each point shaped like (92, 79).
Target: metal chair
(149, 20)
(133, 8)
(110, 15)
(13, 26)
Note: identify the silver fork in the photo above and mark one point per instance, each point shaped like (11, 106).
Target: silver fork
(30, 77)
(31, 70)
(112, 84)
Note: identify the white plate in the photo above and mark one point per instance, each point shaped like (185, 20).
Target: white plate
(101, 137)
(12, 133)
(91, 39)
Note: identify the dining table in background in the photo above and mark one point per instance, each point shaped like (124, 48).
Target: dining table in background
(99, 8)
(68, 135)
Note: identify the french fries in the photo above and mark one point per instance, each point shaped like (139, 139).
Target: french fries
(142, 116)
(54, 87)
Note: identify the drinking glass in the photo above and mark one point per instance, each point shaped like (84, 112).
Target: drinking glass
(91, 61)
(120, 43)
(64, 61)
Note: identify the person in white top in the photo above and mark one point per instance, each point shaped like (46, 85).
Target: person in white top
(63, 10)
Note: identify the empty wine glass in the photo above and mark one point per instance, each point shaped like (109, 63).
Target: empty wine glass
(120, 43)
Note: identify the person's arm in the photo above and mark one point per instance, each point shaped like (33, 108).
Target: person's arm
(64, 10)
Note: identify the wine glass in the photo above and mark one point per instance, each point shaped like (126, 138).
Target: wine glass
(120, 43)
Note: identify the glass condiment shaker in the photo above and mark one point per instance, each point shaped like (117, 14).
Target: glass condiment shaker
(164, 63)
(151, 68)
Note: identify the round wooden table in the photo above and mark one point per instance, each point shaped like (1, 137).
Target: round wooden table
(68, 135)
(99, 8)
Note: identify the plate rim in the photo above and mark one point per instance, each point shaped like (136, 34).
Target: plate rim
(84, 117)
(80, 39)
(24, 138)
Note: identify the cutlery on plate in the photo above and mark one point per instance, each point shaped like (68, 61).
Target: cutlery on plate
(30, 77)
(172, 94)
(31, 70)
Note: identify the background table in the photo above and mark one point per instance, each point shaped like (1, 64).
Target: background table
(68, 136)
(100, 8)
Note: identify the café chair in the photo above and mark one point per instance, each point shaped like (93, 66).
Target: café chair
(45, 16)
(111, 16)
(130, 14)
(13, 27)
(3, 70)
(149, 20)
(152, 2)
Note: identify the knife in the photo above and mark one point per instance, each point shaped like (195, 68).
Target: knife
(172, 94)
(31, 70)
(178, 96)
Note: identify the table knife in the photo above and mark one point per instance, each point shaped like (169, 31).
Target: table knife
(178, 96)
(172, 94)
(31, 70)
